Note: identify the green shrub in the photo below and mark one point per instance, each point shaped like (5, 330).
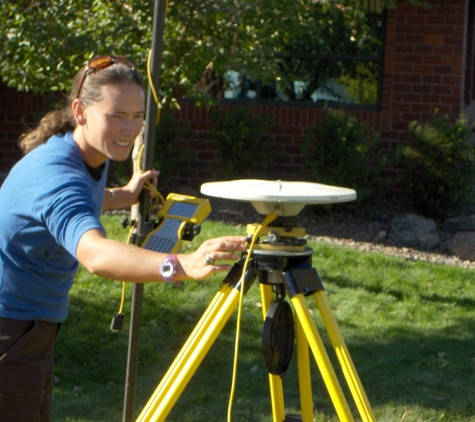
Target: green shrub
(438, 166)
(241, 141)
(341, 151)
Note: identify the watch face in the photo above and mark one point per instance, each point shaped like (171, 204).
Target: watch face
(168, 268)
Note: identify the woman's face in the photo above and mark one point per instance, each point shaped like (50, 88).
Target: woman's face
(108, 127)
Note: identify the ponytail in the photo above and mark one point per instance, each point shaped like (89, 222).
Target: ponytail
(56, 122)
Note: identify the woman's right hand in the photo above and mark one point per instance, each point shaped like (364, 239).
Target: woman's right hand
(207, 259)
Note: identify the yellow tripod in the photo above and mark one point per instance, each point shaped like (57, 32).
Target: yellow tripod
(283, 265)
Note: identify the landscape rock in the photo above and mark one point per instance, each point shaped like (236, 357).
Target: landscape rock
(462, 223)
(414, 231)
(462, 245)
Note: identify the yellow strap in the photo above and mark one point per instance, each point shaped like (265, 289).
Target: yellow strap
(271, 217)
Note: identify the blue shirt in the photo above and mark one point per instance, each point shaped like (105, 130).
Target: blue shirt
(47, 202)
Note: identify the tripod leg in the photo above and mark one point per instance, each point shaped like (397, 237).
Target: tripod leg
(187, 348)
(323, 361)
(191, 355)
(303, 365)
(275, 382)
(344, 357)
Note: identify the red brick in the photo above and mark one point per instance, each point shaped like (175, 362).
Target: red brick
(293, 130)
(276, 130)
(404, 48)
(441, 89)
(400, 125)
(455, 21)
(451, 80)
(432, 98)
(411, 79)
(456, 41)
(396, 97)
(403, 67)
(443, 70)
(422, 108)
(450, 101)
(424, 49)
(400, 87)
(433, 59)
(451, 60)
(411, 98)
(423, 69)
(443, 50)
(412, 58)
(437, 20)
(409, 117)
(434, 39)
(416, 19)
(448, 30)
(406, 29)
(422, 88)
(401, 107)
(457, 69)
(447, 10)
(414, 39)
(431, 79)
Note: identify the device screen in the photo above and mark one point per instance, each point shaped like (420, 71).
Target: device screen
(183, 209)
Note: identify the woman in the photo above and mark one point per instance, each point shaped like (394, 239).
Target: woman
(51, 203)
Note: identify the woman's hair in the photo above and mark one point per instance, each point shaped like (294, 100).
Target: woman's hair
(61, 120)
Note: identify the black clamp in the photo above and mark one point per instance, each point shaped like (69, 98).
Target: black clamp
(303, 280)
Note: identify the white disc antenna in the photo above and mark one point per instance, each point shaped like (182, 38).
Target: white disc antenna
(285, 199)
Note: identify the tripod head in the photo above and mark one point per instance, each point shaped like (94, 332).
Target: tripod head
(285, 199)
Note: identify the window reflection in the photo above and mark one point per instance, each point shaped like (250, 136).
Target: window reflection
(355, 85)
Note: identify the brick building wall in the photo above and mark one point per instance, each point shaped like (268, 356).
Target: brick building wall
(288, 127)
(16, 108)
(424, 70)
(424, 65)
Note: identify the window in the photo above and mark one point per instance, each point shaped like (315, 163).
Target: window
(469, 91)
(337, 58)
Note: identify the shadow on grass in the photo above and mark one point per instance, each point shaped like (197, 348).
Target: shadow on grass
(344, 282)
(435, 371)
(398, 367)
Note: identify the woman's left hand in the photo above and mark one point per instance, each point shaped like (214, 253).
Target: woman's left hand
(129, 194)
(137, 182)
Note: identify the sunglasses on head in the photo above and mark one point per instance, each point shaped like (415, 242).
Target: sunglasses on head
(101, 62)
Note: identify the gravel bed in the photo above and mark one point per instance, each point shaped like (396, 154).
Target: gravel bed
(403, 252)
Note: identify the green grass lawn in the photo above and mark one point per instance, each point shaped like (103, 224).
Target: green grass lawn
(409, 327)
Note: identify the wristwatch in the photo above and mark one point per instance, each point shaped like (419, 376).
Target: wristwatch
(168, 268)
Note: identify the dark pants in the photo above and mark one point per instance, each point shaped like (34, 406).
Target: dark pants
(26, 370)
